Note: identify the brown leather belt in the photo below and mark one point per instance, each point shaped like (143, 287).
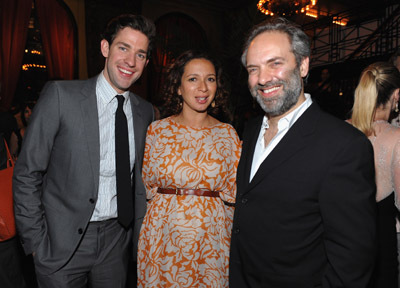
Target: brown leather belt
(183, 191)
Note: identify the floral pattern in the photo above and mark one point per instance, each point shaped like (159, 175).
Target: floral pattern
(184, 240)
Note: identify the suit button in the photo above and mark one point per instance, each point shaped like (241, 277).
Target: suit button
(244, 200)
(236, 231)
(91, 200)
(80, 231)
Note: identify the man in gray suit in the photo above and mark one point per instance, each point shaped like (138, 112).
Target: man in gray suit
(65, 178)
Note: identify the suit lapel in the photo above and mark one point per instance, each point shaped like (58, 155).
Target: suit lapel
(91, 126)
(295, 140)
(138, 125)
(252, 131)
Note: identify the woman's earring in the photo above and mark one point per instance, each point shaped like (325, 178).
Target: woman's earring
(213, 104)
(396, 109)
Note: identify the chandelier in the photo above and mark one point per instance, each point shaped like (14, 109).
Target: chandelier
(285, 7)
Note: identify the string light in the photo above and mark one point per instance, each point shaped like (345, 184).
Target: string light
(33, 52)
(26, 67)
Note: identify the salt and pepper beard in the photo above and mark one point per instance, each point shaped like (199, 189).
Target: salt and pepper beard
(280, 104)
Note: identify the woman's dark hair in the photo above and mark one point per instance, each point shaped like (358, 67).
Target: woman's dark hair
(172, 101)
(30, 105)
(136, 22)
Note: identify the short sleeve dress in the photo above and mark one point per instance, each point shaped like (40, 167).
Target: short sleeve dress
(184, 240)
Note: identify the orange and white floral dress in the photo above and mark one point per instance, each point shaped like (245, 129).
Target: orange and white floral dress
(184, 240)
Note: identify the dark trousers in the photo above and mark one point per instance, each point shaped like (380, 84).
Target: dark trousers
(386, 269)
(10, 264)
(100, 261)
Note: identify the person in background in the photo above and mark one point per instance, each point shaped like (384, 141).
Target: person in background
(66, 179)
(324, 94)
(305, 212)
(376, 96)
(16, 111)
(395, 120)
(325, 81)
(395, 59)
(189, 171)
(395, 117)
(18, 135)
(11, 255)
(8, 124)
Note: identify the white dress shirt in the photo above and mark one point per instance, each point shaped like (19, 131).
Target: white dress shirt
(106, 205)
(261, 151)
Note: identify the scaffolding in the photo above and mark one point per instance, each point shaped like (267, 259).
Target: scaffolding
(372, 37)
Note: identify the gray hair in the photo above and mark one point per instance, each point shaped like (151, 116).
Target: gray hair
(298, 39)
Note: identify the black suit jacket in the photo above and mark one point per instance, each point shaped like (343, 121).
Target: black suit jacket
(307, 218)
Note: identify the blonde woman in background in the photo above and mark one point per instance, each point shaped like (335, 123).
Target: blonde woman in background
(376, 96)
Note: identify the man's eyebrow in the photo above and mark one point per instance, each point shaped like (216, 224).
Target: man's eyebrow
(274, 59)
(123, 43)
(129, 46)
(142, 51)
(251, 66)
(267, 62)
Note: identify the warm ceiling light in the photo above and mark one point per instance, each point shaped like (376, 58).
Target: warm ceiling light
(285, 7)
(340, 21)
(311, 14)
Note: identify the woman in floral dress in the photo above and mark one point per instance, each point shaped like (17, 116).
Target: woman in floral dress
(189, 170)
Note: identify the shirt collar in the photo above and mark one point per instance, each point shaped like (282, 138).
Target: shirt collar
(105, 91)
(290, 119)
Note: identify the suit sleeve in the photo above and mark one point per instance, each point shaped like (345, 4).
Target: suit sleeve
(348, 209)
(31, 166)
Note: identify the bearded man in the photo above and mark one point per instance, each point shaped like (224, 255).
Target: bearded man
(305, 207)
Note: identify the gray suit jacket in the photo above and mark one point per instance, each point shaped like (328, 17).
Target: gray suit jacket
(56, 177)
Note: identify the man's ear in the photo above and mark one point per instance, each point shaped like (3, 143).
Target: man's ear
(104, 47)
(304, 67)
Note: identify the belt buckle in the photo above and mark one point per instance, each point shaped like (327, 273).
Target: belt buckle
(176, 191)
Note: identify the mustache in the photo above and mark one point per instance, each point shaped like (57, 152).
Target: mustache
(269, 84)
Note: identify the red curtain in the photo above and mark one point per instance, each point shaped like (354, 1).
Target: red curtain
(14, 21)
(58, 39)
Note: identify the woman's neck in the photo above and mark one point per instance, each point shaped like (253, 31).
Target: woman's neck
(382, 114)
(195, 120)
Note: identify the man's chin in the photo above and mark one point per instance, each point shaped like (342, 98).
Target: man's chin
(123, 88)
(270, 107)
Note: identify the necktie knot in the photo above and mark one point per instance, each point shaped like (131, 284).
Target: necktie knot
(121, 100)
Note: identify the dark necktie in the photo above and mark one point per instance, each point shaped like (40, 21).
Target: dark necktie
(123, 167)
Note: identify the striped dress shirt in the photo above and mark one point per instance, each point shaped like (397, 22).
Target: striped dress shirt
(106, 205)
